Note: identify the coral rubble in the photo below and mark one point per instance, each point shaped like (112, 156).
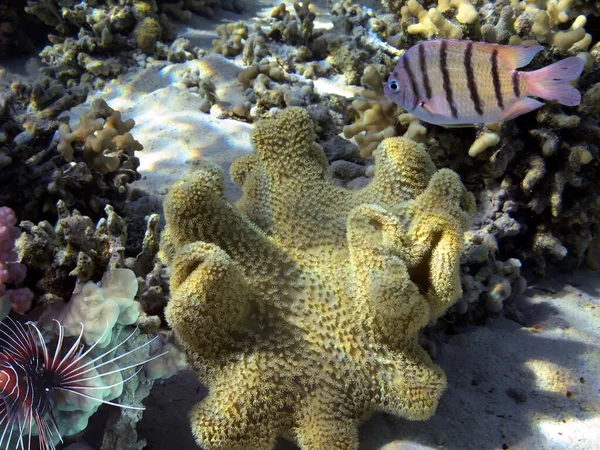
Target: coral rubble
(299, 307)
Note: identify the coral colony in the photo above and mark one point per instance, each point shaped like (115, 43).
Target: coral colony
(328, 316)
(11, 272)
(411, 162)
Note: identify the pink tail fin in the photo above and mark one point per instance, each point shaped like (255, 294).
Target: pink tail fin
(551, 82)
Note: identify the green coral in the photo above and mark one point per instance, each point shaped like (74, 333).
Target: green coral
(147, 33)
(299, 307)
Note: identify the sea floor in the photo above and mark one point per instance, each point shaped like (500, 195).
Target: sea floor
(531, 386)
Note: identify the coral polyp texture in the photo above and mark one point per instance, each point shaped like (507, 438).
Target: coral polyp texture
(299, 306)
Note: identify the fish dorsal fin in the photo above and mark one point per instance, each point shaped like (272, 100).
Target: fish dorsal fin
(516, 56)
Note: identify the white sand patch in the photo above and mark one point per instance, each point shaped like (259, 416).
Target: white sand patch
(525, 387)
(170, 125)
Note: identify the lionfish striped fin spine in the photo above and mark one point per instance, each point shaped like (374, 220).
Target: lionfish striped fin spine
(91, 362)
(121, 369)
(24, 356)
(71, 354)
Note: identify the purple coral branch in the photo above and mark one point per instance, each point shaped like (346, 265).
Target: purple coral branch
(10, 270)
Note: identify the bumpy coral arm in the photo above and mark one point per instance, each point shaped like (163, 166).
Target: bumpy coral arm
(322, 427)
(410, 382)
(434, 239)
(402, 171)
(245, 408)
(392, 303)
(256, 195)
(196, 210)
(210, 303)
(296, 183)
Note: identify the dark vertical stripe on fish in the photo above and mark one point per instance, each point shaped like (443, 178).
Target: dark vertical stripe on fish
(496, 79)
(515, 83)
(471, 79)
(423, 65)
(446, 78)
(411, 77)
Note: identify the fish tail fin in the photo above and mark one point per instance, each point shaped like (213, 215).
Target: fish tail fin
(552, 82)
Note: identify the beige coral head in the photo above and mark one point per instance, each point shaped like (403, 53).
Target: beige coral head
(299, 307)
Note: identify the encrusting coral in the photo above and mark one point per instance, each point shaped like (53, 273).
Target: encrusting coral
(299, 307)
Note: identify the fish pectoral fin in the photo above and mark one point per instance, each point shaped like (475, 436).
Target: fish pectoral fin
(519, 108)
(428, 108)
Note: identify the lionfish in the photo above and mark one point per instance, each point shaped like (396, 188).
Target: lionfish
(452, 82)
(31, 376)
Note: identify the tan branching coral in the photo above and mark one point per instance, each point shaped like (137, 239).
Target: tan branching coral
(560, 23)
(231, 38)
(299, 307)
(378, 117)
(100, 136)
(432, 23)
(375, 114)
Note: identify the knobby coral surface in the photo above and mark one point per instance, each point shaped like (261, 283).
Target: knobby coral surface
(299, 307)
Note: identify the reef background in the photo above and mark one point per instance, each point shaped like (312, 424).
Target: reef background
(528, 377)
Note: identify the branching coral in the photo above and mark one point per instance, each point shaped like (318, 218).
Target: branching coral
(102, 135)
(299, 307)
(376, 115)
(64, 257)
(295, 30)
(547, 22)
(231, 39)
(377, 118)
(11, 272)
(430, 23)
(34, 175)
(98, 37)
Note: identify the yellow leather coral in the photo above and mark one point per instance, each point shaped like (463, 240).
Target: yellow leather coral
(299, 307)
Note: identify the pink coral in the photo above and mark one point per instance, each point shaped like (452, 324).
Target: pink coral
(10, 270)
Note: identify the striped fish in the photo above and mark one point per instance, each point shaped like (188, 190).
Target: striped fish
(454, 82)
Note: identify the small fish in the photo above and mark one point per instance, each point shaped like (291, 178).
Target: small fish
(453, 82)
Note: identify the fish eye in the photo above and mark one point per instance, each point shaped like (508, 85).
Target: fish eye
(393, 85)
